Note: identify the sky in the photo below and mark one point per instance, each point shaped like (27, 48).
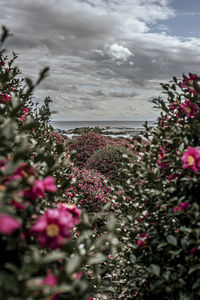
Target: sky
(107, 58)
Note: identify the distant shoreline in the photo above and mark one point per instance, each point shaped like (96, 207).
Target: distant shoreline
(127, 129)
(111, 132)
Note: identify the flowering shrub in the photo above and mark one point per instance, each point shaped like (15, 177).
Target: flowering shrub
(109, 160)
(90, 188)
(85, 145)
(41, 255)
(161, 253)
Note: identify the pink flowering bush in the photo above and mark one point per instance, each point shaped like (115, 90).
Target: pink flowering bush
(90, 189)
(109, 160)
(160, 254)
(47, 249)
(85, 145)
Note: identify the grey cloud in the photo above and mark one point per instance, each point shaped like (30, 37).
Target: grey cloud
(71, 37)
(123, 94)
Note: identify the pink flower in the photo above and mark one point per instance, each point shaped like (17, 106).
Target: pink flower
(3, 164)
(181, 206)
(171, 176)
(53, 227)
(142, 239)
(50, 280)
(191, 159)
(79, 275)
(49, 184)
(40, 186)
(18, 205)
(161, 156)
(188, 80)
(8, 224)
(194, 251)
(73, 210)
(5, 98)
(189, 108)
(173, 105)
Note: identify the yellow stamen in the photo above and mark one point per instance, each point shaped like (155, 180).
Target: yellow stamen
(2, 188)
(188, 109)
(24, 173)
(190, 81)
(190, 160)
(49, 298)
(52, 230)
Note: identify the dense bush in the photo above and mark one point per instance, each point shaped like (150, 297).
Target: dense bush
(90, 190)
(108, 161)
(41, 255)
(85, 145)
(161, 255)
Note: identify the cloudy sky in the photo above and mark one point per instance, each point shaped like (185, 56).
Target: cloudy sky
(107, 57)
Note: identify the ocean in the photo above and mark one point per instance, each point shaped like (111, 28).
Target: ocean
(112, 125)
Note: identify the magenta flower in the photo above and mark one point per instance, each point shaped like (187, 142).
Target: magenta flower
(49, 184)
(50, 280)
(171, 176)
(73, 210)
(191, 159)
(40, 186)
(18, 205)
(188, 80)
(3, 164)
(181, 206)
(5, 98)
(8, 224)
(53, 227)
(161, 156)
(195, 251)
(189, 108)
(23, 117)
(173, 106)
(79, 275)
(142, 239)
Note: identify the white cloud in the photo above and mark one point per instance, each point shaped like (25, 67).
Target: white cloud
(118, 52)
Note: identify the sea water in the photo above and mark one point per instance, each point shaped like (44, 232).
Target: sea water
(113, 125)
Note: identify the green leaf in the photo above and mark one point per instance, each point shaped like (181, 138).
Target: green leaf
(53, 256)
(99, 258)
(73, 264)
(166, 275)
(111, 223)
(194, 268)
(172, 240)
(133, 258)
(155, 269)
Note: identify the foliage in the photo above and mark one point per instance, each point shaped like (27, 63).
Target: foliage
(161, 255)
(41, 254)
(85, 145)
(109, 160)
(87, 129)
(90, 190)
